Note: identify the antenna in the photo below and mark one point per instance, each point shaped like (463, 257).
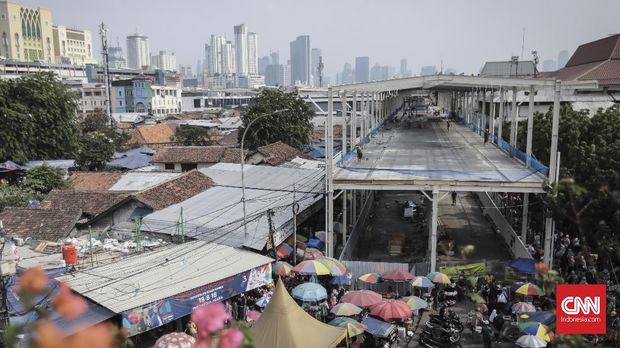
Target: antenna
(522, 44)
(103, 32)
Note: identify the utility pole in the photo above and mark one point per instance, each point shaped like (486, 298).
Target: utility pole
(295, 212)
(103, 32)
(7, 269)
(272, 231)
(319, 70)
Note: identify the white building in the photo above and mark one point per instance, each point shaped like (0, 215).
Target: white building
(241, 49)
(73, 46)
(164, 61)
(138, 54)
(116, 58)
(252, 53)
(92, 96)
(228, 58)
(166, 100)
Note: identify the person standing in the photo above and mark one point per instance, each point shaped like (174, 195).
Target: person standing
(448, 125)
(454, 195)
(486, 335)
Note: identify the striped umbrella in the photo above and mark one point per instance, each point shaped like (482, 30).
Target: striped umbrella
(312, 254)
(362, 298)
(422, 282)
(523, 307)
(310, 267)
(309, 292)
(284, 251)
(336, 268)
(415, 302)
(530, 341)
(353, 327)
(529, 289)
(282, 268)
(371, 278)
(439, 278)
(391, 310)
(537, 329)
(346, 309)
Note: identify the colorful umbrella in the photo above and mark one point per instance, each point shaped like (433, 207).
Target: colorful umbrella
(531, 341)
(372, 278)
(312, 254)
(253, 315)
(309, 292)
(346, 309)
(397, 276)
(439, 278)
(284, 251)
(415, 302)
(336, 268)
(282, 268)
(310, 267)
(391, 310)
(544, 317)
(175, 340)
(362, 298)
(353, 327)
(537, 329)
(523, 307)
(263, 301)
(476, 298)
(422, 282)
(529, 289)
(523, 265)
(340, 280)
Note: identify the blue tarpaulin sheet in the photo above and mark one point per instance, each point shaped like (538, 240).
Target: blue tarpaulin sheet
(377, 327)
(132, 159)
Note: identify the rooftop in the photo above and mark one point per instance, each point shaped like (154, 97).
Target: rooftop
(279, 153)
(175, 190)
(93, 181)
(196, 154)
(141, 180)
(153, 134)
(91, 204)
(40, 224)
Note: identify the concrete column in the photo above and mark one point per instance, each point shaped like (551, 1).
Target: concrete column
(524, 217)
(329, 156)
(433, 231)
(483, 122)
(344, 227)
(353, 122)
(373, 109)
(492, 117)
(555, 125)
(363, 116)
(513, 123)
(501, 116)
(343, 102)
(530, 128)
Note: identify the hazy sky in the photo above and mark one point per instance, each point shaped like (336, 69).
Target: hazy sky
(462, 33)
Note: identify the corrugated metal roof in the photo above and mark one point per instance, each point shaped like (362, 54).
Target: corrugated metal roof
(217, 213)
(146, 278)
(138, 181)
(525, 68)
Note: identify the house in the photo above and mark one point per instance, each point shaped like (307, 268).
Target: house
(155, 135)
(175, 190)
(93, 181)
(274, 154)
(186, 158)
(40, 224)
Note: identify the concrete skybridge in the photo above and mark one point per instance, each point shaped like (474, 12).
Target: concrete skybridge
(430, 157)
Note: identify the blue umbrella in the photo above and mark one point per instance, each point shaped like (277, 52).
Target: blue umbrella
(309, 292)
(315, 243)
(543, 317)
(523, 265)
(340, 280)
(263, 301)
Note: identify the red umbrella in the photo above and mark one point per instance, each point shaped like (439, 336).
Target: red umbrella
(362, 298)
(391, 310)
(397, 276)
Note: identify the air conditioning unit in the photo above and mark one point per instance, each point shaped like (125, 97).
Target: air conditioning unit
(7, 268)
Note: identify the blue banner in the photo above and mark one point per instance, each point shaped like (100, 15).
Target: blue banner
(152, 315)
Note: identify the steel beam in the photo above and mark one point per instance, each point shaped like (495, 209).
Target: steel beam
(555, 125)
(329, 160)
(445, 187)
(433, 230)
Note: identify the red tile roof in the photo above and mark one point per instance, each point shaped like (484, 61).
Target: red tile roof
(278, 153)
(93, 181)
(188, 154)
(92, 204)
(153, 134)
(40, 224)
(596, 51)
(175, 190)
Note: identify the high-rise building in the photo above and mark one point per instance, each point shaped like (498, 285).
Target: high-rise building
(164, 61)
(73, 46)
(116, 58)
(362, 65)
(252, 53)
(428, 70)
(275, 58)
(549, 65)
(241, 49)
(228, 59)
(208, 68)
(380, 72)
(562, 59)
(300, 60)
(138, 55)
(27, 33)
(199, 68)
(214, 55)
(263, 62)
(315, 54)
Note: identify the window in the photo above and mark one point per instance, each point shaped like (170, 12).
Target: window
(120, 93)
(98, 93)
(186, 167)
(88, 94)
(169, 166)
(197, 103)
(120, 103)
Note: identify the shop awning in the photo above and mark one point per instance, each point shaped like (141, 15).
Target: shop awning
(378, 328)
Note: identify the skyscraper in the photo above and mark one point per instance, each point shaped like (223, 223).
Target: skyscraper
(362, 65)
(228, 58)
(116, 57)
(252, 59)
(428, 70)
(315, 54)
(300, 60)
(241, 49)
(548, 65)
(138, 51)
(403, 68)
(263, 62)
(275, 58)
(208, 67)
(562, 59)
(164, 61)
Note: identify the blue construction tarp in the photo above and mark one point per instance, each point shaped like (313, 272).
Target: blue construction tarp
(378, 327)
(132, 159)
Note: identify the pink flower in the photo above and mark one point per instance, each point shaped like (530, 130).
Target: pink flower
(230, 338)
(210, 318)
(202, 343)
(69, 306)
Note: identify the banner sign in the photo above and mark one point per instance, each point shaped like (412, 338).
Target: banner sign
(152, 315)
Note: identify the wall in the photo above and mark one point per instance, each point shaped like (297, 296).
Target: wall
(516, 246)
